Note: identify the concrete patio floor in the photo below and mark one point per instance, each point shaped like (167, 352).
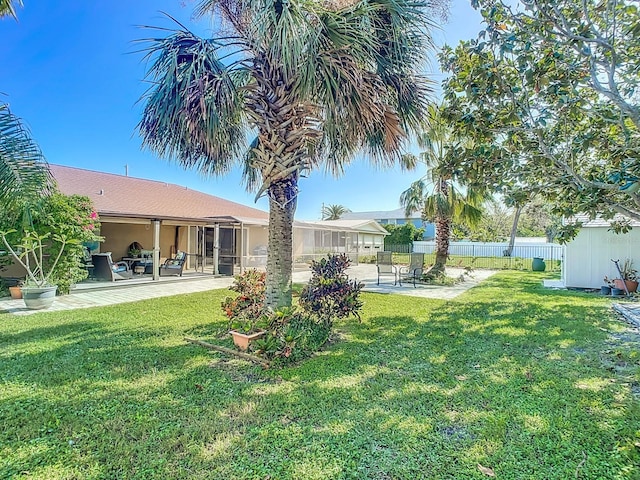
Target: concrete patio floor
(121, 292)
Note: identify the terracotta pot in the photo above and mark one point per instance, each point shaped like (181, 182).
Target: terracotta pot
(632, 285)
(242, 340)
(16, 292)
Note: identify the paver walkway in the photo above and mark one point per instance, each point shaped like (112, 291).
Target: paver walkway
(132, 293)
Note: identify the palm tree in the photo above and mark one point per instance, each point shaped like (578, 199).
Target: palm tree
(436, 194)
(24, 173)
(8, 7)
(333, 212)
(310, 82)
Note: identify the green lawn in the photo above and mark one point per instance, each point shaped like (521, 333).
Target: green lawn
(532, 383)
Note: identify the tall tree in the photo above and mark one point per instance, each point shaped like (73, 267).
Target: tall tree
(549, 91)
(334, 212)
(436, 194)
(312, 82)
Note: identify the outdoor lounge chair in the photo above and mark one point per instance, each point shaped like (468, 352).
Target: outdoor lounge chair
(104, 268)
(173, 266)
(385, 266)
(414, 270)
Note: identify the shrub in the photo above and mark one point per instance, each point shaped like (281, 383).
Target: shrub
(294, 333)
(69, 216)
(246, 310)
(330, 294)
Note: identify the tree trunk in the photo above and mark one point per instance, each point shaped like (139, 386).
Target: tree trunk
(514, 229)
(443, 234)
(282, 207)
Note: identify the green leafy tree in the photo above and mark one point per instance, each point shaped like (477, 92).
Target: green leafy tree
(437, 195)
(404, 234)
(549, 93)
(72, 217)
(311, 82)
(334, 212)
(494, 225)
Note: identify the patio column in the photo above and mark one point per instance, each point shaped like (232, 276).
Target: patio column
(156, 249)
(242, 252)
(216, 248)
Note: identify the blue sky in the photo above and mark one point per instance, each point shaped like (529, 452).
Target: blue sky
(70, 72)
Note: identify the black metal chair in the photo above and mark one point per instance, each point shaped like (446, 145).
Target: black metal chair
(385, 266)
(415, 269)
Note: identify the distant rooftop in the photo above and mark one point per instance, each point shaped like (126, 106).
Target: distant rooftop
(380, 215)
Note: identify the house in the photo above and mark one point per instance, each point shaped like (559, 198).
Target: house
(588, 256)
(216, 234)
(394, 217)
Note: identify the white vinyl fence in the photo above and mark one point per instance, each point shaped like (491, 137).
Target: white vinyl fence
(484, 255)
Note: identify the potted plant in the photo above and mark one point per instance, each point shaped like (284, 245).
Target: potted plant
(605, 289)
(39, 258)
(629, 276)
(134, 253)
(246, 311)
(16, 290)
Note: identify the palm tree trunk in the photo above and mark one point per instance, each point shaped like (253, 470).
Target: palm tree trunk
(282, 207)
(443, 234)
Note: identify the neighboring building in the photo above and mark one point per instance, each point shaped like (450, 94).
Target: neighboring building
(588, 256)
(216, 233)
(394, 217)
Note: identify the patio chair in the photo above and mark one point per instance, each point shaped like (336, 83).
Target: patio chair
(87, 262)
(173, 266)
(385, 266)
(104, 268)
(414, 270)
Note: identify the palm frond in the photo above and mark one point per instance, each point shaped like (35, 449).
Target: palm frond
(194, 110)
(24, 173)
(8, 7)
(413, 198)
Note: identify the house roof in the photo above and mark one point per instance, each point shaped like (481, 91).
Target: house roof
(361, 226)
(380, 215)
(123, 196)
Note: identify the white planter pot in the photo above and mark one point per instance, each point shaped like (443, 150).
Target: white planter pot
(38, 298)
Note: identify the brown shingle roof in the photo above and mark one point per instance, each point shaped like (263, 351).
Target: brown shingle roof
(119, 195)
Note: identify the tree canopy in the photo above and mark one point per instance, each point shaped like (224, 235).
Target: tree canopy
(284, 88)
(333, 212)
(549, 91)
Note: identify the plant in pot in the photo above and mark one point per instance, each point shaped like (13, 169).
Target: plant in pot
(606, 287)
(16, 290)
(38, 255)
(629, 277)
(246, 311)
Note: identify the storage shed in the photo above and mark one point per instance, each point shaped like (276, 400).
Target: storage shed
(588, 257)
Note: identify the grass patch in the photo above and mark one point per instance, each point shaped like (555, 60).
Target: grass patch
(530, 382)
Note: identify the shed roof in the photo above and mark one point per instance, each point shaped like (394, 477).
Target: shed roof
(123, 196)
(587, 222)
